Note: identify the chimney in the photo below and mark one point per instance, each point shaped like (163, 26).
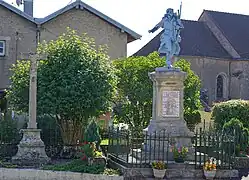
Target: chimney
(28, 7)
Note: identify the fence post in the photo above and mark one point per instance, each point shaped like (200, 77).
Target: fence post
(205, 145)
(164, 139)
(218, 146)
(128, 145)
(196, 139)
(150, 147)
(154, 150)
(200, 144)
(168, 149)
(222, 150)
(145, 148)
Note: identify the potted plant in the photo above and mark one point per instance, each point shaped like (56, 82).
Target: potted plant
(159, 169)
(180, 154)
(209, 168)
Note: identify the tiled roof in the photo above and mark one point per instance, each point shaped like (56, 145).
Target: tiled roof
(197, 40)
(77, 4)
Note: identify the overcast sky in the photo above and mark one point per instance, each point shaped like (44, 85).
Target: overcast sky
(142, 15)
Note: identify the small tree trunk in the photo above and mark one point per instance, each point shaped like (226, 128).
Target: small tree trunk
(71, 135)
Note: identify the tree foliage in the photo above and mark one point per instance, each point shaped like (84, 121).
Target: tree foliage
(134, 103)
(75, 82)
(235, 128)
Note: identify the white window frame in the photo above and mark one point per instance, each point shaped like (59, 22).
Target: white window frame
(4, 48)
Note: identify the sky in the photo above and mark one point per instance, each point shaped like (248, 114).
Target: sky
(142, 15)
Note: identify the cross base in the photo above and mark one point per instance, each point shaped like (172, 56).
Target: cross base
(31, 150)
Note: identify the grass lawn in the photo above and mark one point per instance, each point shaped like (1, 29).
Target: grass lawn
(205, 120)
(114, 142)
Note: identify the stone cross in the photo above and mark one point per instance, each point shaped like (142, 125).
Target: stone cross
(33, 92)
(34, 57)
(31, 149)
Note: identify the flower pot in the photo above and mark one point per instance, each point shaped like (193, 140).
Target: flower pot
(159, 173)
(209, 174)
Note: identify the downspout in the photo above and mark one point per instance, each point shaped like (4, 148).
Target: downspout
(38, 35)
(17, 41)
(229, 80)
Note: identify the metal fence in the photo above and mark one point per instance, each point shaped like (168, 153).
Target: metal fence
(137, 150)
(218, 145)
(133, 148)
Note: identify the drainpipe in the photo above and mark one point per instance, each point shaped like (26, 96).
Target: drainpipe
(38, 35)
(229, 80)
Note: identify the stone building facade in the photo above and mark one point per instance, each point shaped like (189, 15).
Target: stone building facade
(20, 32)
(217, 47)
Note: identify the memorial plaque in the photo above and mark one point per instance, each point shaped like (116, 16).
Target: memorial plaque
(170, 103)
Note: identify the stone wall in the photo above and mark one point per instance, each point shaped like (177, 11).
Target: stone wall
(235, 73)
(31, 174)
(20, 37)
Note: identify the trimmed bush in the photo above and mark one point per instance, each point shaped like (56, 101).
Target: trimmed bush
(192, 118)
(225, 111)
(235, 128)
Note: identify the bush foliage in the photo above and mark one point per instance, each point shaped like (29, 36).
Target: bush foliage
(77, 166)
(225, 111)
(235, 128)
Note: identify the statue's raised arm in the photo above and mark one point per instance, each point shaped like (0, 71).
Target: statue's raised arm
(154, 29)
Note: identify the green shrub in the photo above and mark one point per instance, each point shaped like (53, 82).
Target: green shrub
(235, 128)
(8, 131)
(50, 134)
(192, 118)
(9, 137)
(225, 111)
(77, 166)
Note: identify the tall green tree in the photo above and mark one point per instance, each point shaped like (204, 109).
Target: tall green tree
(134, 103)
(75, 82)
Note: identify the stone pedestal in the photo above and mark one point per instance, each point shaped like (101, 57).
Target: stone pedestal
(167, 115)
(31, 149)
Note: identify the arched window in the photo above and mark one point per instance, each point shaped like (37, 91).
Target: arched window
(220, 87)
